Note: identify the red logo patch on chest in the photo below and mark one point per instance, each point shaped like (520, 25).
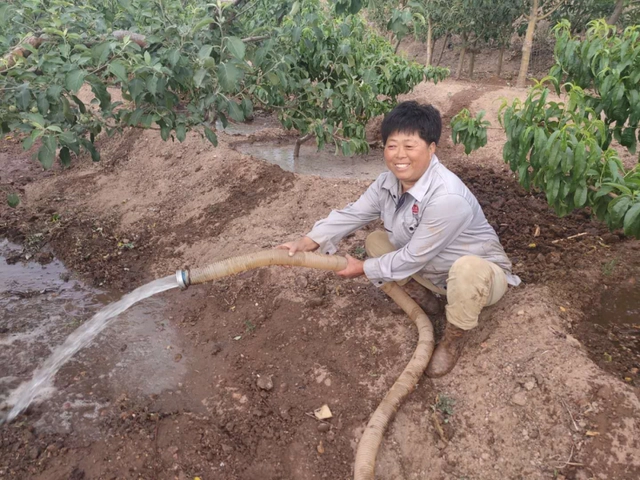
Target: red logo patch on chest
(414, 209)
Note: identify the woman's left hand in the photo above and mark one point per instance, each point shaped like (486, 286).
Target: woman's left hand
(354, 269)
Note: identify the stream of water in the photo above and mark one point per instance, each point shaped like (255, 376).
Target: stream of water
(22, 397)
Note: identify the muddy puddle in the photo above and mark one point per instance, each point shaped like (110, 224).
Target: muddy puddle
(612, 333)
(620, 308)
(248, 128)
(324, 163)
(42, 305)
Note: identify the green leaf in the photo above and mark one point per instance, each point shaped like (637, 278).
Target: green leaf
(65, 156)
(229, 76)
(47, 151)
(23, 97)
(43, 103)
(118, 69)
(13, 200)
(236, 47)
(211, 136)
(580, 196)
(100, 52)
(202, 23)
(632, 221)
(54, 92)
(199, 77)
(152, 84)
(173, 57)
(74, 80)
(617, 209)
(205, 51)
(28, 142)
(235, 112)
(181, 132)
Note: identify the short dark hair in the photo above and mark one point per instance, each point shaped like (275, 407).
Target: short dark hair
(413, 117)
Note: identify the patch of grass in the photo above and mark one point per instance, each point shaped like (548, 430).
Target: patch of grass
(444, 405)
(359, 252)
(609, 267)
(250, 326)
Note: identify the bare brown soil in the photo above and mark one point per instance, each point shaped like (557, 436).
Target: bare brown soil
(525, 401)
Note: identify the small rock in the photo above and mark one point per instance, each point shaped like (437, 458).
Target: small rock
(123, 347)
(284, 413)
(34, 453)
(265, 383)
(573, 341)
(530, 385)
(324, 427)
(216, 348)
(604, 392)
(320, 448)
(519, 399)
(315, 302)
(301, 281)
(198, 168)
(178, 357)
(520, 313)
(485, 456)
(610, 238)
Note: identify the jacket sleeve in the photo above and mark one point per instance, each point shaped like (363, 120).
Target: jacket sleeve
(329, 231)
(443, 220)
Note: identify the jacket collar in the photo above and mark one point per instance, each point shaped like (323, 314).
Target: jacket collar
(419, 190)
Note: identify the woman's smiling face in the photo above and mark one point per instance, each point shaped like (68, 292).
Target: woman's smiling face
(407, 156)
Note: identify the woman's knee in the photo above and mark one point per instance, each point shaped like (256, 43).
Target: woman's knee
(467, 265)
(377, 243)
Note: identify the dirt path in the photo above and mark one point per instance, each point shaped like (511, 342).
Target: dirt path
(525, 401)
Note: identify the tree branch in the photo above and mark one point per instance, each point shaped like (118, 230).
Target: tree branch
(553, 9)
(257, 38)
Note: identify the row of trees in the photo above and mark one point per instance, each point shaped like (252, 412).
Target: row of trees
(481, 23)
(564, 148)
(183, 64)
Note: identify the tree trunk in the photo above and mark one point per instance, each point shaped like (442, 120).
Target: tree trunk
(500, 58)
(615, 16)
(444, 45)
(462, 54)
(527, 45)
(472, 61)
(299, 142)
(429, 42)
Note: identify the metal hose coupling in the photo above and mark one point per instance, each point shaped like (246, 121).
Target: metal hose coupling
(182, 277)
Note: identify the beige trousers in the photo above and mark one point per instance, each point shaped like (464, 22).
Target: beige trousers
(473, 283)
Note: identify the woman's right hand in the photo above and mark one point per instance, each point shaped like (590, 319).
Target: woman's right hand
(303, 244)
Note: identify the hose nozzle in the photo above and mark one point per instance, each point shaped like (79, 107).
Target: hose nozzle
(182, 277)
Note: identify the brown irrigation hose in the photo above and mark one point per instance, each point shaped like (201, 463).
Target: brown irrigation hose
(233, 265)
(406, 382)
(372, 436)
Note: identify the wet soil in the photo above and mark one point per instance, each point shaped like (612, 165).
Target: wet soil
(525, 400)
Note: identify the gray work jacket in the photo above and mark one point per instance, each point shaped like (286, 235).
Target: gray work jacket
(433, 224)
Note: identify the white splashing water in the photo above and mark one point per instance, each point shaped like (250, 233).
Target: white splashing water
(22, 396)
